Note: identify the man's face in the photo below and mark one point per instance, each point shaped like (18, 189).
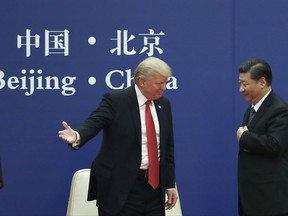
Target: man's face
(153, 86)
(251, 89)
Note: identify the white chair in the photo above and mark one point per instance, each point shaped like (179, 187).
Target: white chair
(79, 206)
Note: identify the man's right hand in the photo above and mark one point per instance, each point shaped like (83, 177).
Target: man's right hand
(68, 134)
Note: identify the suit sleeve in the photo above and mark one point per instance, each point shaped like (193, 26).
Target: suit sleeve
(170, 159)
(98, 120)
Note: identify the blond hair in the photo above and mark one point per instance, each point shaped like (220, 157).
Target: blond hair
(151, 66)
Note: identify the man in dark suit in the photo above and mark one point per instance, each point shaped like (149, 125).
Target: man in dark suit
(120, 174)
(263, 145)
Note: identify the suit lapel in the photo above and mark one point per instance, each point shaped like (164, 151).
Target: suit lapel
(134, 108)
(159, 111)
(262, 110)
(161, 117)
(246, 117)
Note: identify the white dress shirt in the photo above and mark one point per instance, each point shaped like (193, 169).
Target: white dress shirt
(141, 102)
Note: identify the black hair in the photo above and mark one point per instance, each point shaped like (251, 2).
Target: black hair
(257, 68)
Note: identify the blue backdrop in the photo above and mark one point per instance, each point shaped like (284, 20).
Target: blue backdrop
(57, 59)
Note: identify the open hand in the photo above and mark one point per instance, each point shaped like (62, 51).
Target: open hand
(68, 134)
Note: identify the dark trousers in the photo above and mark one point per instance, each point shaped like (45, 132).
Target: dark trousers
(241, 213)
(143, 200)
(271, 215)
(285, 214)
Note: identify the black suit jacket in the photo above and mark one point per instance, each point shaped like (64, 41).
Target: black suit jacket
(115, 168)
(263, 160)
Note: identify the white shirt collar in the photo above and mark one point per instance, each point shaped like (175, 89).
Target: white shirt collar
(257, 105)
(140, 97)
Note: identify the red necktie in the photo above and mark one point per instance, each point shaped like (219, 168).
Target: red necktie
(153, 167)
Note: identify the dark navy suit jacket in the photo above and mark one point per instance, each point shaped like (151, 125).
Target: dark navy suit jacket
(263, 160)
(115, 167)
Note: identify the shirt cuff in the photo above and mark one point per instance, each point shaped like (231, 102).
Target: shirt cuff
(76, 144)
(171, 189)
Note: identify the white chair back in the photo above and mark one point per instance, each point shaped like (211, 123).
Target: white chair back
(78, 204)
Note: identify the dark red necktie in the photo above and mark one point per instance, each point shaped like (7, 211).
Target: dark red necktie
(153, 167)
